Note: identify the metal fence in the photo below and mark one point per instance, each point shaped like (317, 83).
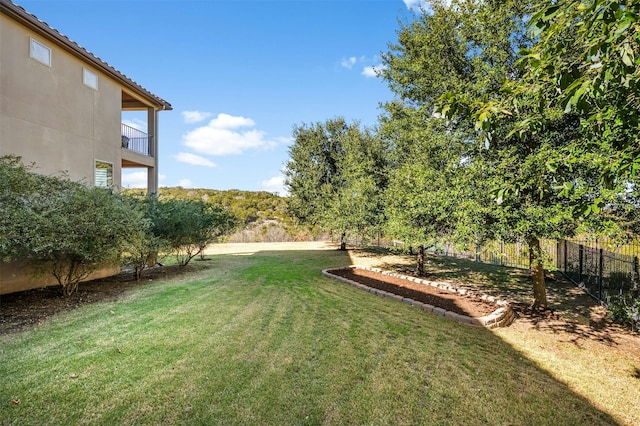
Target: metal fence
(136, 140)
(603, 269)
(602, 273)
(515, 255)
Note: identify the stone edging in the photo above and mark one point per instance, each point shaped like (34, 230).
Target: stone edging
(501, 317)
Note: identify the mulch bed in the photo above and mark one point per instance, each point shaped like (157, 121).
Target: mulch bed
(25, 309)
(448, 300)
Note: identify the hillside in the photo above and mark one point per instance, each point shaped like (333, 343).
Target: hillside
(263, 214)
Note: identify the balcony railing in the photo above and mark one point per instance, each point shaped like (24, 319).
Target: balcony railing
(137, 141)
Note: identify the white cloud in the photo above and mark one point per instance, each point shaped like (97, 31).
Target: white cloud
(136, 123)
(414, 4)
(196, 160)
(226, 121)
(349, 62)
(195, 116)
(137, 179)
(185, 183)
(372, 71)
(275, 185)
(221, 137)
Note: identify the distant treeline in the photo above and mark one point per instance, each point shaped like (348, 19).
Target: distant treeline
(264, 215)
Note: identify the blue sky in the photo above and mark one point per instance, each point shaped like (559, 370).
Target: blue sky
(239, 74)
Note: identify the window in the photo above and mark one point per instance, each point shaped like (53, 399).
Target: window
(89, 78)
(40, 52)
(104, 174)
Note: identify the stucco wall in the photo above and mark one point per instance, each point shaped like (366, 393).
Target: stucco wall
(20, 276)
(48, 116)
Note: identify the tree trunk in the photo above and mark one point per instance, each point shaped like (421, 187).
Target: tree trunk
(343, 241)
(537, 274)
(420, 261)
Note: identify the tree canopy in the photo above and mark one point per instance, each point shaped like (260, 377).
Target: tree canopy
(336, 175)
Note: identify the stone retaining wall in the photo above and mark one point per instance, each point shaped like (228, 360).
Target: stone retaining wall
(503, 316)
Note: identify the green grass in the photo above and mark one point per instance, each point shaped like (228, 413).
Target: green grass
(265, 339)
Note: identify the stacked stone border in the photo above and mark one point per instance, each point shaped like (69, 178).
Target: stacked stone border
(503, 316)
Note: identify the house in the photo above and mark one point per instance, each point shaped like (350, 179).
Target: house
(61, 108)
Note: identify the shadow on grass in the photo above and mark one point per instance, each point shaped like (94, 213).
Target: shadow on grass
(571, 310)
(511, 372)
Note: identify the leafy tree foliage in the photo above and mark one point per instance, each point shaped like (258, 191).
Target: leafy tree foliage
(504, 185)
(358, 204)
(143, 246)
(188, 226)
(587, 62)
(64, 227)
(336, 176)
(312, 172)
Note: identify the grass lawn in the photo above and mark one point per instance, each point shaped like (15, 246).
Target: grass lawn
(258, 336)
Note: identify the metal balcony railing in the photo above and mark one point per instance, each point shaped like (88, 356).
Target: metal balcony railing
(137, 141)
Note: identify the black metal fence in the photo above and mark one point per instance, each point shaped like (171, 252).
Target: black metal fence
(603, 273)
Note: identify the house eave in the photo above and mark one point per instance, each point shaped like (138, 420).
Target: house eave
(20, 15)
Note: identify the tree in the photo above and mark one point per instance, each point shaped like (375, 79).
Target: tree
(336, 176)
(358, 204)
(312, 173)
(424, 179)
(510, 187)
(188, 226)
(143, 246)
(218, 222)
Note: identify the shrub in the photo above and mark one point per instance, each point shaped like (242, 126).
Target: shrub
(64, 227)
(188, 226)
(625, 310)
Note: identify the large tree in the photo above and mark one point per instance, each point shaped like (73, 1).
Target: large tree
(336, 176)
(467, 51)
(312, 173)
(358, 204)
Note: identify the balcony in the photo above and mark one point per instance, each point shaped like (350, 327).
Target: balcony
(137, 141)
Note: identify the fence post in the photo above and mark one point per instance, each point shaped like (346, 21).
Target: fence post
(581, 262)
(634, 276)
(565, 255)
(600, 261)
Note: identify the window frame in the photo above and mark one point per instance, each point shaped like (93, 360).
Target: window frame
(36, 48)
(92, 81)
(107, 179)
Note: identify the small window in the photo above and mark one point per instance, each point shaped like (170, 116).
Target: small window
(104, 174)
(89, 78)
(40, 52)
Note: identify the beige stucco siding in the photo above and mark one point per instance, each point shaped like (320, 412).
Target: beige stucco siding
(48, 116)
